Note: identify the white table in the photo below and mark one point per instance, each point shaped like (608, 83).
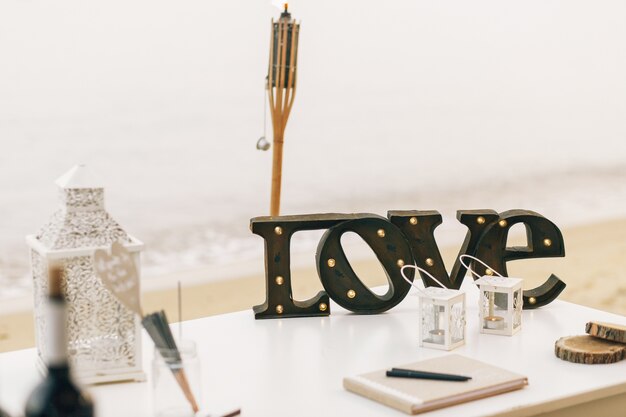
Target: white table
(294, 367)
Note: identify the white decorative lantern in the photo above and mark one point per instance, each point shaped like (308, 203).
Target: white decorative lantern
(442, 324)
(442, 314)
(500, 305)
(104, 337)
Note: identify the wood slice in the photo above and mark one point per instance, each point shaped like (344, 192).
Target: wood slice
(589, 350)
(608, 331)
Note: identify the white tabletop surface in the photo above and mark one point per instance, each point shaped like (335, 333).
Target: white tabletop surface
(295, 367)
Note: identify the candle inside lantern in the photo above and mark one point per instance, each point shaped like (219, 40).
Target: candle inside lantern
(438, 336)
(492, 321)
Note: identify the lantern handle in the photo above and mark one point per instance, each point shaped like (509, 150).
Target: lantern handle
(479, 261)
(417, 268)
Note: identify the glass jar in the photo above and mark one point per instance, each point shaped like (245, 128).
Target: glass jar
(167, 397)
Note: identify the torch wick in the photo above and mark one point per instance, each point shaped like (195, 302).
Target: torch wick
(285, 14)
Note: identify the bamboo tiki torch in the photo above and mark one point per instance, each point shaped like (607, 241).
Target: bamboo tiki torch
(281, 85)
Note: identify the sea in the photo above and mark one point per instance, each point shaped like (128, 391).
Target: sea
(399, 105)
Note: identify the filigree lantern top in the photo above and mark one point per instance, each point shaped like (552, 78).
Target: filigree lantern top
(81, 220)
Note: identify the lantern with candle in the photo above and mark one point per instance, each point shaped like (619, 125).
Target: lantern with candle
(500, 302)
(442, 315)
(500, 305)
(281, 86)
(104, 339)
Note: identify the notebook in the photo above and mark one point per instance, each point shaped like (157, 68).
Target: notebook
(414, 396)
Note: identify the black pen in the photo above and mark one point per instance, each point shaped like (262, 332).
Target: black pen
(409, 373)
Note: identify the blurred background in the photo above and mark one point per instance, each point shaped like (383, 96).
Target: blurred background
(400, 105)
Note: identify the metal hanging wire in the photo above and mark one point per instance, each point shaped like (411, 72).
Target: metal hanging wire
(262, 143)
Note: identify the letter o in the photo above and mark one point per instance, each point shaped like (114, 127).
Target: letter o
(341, 282)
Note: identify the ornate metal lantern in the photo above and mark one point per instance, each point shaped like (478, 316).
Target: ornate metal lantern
(500, 305)
(104, 339)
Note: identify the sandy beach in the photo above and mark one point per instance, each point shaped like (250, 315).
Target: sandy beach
(594, 270)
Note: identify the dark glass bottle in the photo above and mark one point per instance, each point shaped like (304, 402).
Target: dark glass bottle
(57, 395)
(3, 414)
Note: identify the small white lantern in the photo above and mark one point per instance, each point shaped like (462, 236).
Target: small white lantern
(500, 305)
(442, 314)
(442, 324)
(104, 337)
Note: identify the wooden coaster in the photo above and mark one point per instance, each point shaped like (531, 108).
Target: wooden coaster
(608, 331)
(589, 350)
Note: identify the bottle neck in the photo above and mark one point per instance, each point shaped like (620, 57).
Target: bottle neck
(59, 372)
(56, 334)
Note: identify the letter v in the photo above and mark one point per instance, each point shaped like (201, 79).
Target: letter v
(419, 228)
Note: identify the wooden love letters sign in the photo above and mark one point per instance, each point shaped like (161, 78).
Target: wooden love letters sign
(404, 237)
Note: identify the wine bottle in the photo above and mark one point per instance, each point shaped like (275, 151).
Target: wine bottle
(3, 413)
(57, 395)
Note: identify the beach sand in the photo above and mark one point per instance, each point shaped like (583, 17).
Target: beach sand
(594, 270)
